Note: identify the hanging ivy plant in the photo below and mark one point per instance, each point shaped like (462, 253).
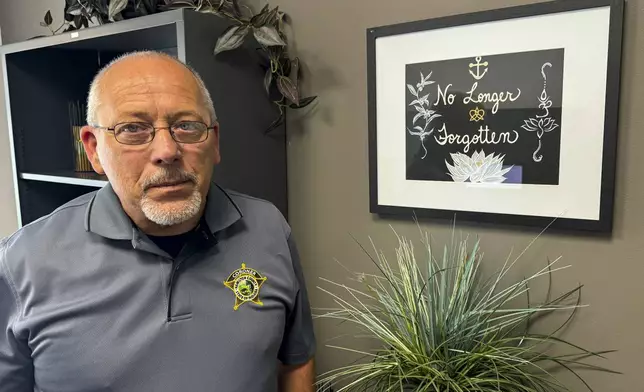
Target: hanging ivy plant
(283, 74)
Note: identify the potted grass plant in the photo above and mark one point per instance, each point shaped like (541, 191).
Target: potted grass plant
(440, 326)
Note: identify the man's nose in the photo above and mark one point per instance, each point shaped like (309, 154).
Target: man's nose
(165, 150)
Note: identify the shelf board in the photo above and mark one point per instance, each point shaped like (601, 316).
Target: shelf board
(68, 177)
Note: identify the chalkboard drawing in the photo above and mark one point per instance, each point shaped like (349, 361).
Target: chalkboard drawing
(541, 123)
(467, 115)
(422, 106)
(479, 168)
(477, 114)
(478, 75)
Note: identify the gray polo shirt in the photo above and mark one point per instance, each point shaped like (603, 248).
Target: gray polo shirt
(89, 303)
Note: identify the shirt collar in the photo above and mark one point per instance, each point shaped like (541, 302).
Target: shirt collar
(105, 216)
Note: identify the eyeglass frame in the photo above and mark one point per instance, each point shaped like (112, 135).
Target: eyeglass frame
(112, 130)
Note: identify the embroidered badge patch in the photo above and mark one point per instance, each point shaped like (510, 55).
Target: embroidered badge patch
(245, 283)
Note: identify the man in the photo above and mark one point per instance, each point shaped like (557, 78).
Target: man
(161, 280)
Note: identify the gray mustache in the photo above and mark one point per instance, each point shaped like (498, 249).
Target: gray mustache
(164, 177)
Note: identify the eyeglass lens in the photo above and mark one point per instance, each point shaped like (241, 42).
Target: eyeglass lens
(141, 133)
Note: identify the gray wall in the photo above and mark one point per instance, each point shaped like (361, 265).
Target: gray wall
(328, 176)
(20, 18)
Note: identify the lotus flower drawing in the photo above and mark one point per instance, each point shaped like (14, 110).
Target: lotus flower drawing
(479, 168)
(540, 125)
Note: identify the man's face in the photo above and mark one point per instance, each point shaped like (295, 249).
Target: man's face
(163, 180)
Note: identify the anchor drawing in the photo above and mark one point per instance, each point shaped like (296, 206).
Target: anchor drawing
(478, 75)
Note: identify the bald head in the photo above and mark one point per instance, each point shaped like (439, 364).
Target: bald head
(143, 65)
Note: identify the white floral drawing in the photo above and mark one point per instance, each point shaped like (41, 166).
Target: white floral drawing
(542, 123)
(479, 168)
(422, 106)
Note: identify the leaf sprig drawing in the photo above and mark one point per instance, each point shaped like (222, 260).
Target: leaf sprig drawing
(266, 28)
(423, 109)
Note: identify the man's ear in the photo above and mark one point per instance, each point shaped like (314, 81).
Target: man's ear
(88, 137)
(215, 136)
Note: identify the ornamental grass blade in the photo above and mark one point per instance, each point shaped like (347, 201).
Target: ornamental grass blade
(440, 327)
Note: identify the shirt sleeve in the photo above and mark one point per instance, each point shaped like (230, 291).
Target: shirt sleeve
(298, 344)
(16, 368)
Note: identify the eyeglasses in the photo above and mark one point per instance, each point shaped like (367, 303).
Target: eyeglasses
(134, 133)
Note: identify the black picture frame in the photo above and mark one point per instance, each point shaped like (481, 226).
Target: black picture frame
(606, 205)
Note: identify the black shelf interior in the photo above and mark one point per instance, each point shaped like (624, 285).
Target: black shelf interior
(41, 198)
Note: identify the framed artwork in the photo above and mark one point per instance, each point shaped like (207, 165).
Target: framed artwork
(505, 116)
